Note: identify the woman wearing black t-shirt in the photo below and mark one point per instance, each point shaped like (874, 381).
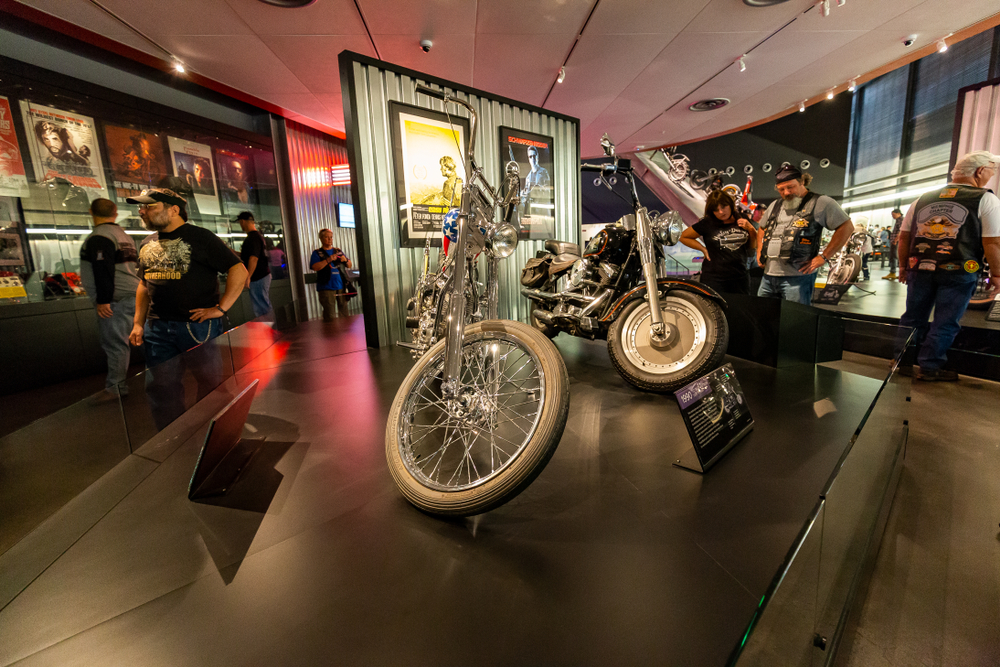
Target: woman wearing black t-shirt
(728, 240)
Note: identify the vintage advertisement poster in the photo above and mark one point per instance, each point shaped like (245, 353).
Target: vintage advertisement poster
(234, 181)
(11, 251)
(429, 171)
(193, 165)
(136, 159)
(63, 147)
(13, 181)
(533, 154)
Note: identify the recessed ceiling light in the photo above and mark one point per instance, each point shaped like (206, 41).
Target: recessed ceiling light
(709, 105)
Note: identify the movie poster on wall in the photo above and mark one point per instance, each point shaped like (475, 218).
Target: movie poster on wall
(136, 159)
(429, 170)
(533, 154)
(234, 181)
(193, 164)
(13, 181)
(63, 147)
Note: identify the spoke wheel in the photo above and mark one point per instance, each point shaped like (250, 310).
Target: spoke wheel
(474, 451)
(698, 337)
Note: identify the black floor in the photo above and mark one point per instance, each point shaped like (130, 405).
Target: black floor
(612, 556)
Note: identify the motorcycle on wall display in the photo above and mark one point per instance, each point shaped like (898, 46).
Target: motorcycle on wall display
(484, 407)
(658, 339)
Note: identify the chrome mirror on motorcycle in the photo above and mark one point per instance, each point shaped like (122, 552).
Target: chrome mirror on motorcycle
(668, 227)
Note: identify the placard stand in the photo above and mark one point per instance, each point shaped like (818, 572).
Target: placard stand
(716, 415)
(225, 454)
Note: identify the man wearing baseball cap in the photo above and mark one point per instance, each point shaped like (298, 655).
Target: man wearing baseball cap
(897, 216)
(942, 242)
(253, 254)
(177, 302)
(789, 247)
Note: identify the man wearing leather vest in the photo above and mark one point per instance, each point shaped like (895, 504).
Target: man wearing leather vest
(789, 247)
(942, 241)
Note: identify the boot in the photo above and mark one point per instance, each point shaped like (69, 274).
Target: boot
(889, 276)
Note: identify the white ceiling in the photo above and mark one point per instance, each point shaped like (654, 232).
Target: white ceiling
(636, 67)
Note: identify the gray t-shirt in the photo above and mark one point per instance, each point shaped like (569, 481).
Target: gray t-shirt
(827, 213)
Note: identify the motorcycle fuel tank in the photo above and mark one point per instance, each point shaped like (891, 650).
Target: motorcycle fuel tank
(612, 244)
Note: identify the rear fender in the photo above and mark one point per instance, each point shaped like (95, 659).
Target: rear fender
(666, 285)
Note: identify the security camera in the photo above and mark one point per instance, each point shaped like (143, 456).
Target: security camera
(908, 41)
(425, 45)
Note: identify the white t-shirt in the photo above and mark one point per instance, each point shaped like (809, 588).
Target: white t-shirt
(989, 215)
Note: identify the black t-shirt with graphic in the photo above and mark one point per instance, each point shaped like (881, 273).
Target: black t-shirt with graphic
(181, 271)
(728, 248)
(253, 246)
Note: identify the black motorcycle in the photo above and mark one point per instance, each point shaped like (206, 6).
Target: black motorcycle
(659, 339)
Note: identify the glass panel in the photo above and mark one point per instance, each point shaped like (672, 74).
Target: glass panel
(881, 112)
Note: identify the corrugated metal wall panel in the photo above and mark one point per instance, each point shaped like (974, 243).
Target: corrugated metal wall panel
(311, 155)
(395, 269)
(980, 129)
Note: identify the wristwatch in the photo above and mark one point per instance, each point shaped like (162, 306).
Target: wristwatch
(221, 309)
(826, 260)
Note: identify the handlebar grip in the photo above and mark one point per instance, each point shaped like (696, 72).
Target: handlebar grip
(430, 92)
(592, 167)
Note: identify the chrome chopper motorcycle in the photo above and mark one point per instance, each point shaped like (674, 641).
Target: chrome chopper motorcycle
(481, 412)
(845, 266)
(658, 339)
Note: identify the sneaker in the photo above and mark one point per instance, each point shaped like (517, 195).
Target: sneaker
(889, 276)
(940, 375)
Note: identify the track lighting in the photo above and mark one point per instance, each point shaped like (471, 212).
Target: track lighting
(829, 94)
(825, 7)
(802, 107)
(742, 62)
(852, 86)
(179, 67)
(562, 75)
(942, 46)
(841, 3)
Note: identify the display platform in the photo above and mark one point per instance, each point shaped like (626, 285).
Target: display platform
(612, 556)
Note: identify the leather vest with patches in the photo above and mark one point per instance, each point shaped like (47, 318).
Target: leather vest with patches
(800, 240)
(947, 234)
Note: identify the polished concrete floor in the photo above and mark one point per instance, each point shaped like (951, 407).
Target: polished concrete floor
(612, 556)
(935, 593)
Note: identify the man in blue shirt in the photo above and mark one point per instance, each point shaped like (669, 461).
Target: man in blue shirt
(326, 262)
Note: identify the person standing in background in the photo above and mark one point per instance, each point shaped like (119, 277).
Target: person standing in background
(897, 216)
(108, 272)
(326, 262)
(253, 253)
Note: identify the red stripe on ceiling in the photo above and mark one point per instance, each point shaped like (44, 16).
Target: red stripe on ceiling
(82, 34)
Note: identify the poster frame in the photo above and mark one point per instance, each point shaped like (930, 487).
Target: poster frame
(505, 147)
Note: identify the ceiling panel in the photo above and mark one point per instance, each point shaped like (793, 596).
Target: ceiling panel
(734, 16)
(327, 17)
(853, 15)
(423, 19)
(531, 17)
(522, 67)
(86, 15)
(306, 104)
(180, 17)
(599, 69)
(934, 19)
(450, 58)
(635, 17)
(313, 58)
(259, 72)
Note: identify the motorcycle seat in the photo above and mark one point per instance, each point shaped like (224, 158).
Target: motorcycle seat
(562, 248)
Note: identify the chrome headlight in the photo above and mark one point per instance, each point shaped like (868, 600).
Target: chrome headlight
(579, 271)
(504, 241)
(668, 227)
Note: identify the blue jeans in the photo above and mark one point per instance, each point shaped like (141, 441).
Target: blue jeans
(260, 295)
(113, 334)
(790, 288)
(948, 295)
(173, 349)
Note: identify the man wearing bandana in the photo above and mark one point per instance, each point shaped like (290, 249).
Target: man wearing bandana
(788, 246)
(942, 241)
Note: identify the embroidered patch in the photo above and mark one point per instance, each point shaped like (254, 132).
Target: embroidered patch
(913, 261)
(971, 266)
(800, 223)
(950, 266)
(927, 265)
(950, 193)
(922, 247)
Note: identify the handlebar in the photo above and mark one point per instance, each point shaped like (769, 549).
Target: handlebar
(473, 116)
(431, 92)
(608, 168)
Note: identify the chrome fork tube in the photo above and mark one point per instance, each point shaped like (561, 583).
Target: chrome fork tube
(647, 256)
(492, 287)
(456, 320)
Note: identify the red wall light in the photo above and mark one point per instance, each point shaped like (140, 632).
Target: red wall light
(340, 174)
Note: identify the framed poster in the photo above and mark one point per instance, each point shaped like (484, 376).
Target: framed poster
(136, 159)
(533, 154)
(64, 150)
(193, 165)
(13, 181)
(427, 153)
(234, 181)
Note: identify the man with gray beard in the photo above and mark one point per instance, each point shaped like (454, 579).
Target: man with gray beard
(792, 229)
(177, 302)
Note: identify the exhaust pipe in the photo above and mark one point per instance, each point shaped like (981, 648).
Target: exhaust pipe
(542, 316)
(549, 296)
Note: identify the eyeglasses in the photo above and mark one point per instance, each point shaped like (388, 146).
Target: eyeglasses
(143, 207)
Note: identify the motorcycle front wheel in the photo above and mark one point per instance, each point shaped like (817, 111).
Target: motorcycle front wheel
(473, 452)
(697, 341)
(847, 272)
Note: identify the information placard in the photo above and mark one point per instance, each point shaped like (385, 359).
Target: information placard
(830, 295)
(716, 415)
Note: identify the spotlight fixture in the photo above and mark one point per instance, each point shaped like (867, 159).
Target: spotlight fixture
(829, 94)
(743, 64)
(802, 107)
(179, 67)
(825, 7)
(841, 3)
(562, 75)
(942, 46)
(852, 86)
